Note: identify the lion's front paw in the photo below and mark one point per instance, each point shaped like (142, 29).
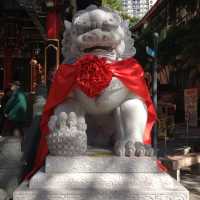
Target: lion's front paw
(119, 148)
(149, 150)
(134, 149)
(131, 149)
(138, 149)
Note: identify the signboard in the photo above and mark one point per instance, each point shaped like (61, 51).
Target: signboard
(191, 106)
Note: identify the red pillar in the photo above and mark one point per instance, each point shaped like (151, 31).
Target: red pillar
(53, 21)
(53, 24)
(53, 28)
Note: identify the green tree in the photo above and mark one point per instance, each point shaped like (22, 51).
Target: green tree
(133, 21)
(113, 4)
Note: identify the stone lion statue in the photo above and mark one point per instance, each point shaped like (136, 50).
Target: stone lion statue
(116, 110)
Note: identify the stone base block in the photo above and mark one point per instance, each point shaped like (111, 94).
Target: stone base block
(101, 176)
(158, 187)
(105, 181)
(89, 164)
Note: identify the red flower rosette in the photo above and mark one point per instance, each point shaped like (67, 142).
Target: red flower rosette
(93, 75)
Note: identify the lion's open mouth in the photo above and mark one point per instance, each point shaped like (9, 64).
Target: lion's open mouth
(87, 50)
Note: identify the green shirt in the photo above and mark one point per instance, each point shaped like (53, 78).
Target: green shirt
(16, 107)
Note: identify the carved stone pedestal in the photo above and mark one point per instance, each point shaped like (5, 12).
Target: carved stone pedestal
(100, 176)
(10, 164)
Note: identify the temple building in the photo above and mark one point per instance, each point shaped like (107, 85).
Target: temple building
(177, 25)
(137, 8)
(31, 34)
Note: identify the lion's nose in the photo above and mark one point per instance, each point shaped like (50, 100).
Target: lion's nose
(108, 26)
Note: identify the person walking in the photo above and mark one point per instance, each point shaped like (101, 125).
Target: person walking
(15, 110)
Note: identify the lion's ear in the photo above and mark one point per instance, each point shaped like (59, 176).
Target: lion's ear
(67, 24)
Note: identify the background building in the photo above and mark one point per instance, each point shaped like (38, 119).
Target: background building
(137, 8)
(128, 7)
(30, 35)
(177, 23)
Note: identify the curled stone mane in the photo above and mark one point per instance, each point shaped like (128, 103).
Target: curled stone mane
(69, 48)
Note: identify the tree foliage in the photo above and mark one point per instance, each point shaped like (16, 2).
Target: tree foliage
(133, 21)
(113, 4)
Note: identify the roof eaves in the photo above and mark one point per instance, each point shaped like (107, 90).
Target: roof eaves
(148, 14)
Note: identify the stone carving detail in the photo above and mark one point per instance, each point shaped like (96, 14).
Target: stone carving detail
(67, 135)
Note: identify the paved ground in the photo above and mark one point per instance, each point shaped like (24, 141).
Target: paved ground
(190, 177)
(191, 180)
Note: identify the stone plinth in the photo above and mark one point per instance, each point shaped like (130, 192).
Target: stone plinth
(156, 187)
(101, 178)
(108, 164)
(124, 182)
(10, 163)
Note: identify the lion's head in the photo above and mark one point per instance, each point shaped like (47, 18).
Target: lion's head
(99, 31)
